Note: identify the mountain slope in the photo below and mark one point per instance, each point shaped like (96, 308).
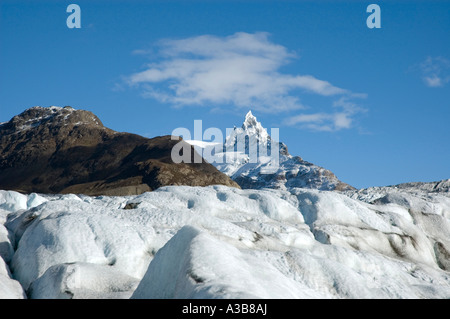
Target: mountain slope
(63, 150)
(254, 160)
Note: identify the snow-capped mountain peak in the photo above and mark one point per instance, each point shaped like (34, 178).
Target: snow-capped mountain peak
(254, 159)
(252, 127)
(250, 133)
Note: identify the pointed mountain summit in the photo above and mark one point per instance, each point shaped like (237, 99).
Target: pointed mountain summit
(254, 159)
(255, 138)
(64, 150)
(252, 126)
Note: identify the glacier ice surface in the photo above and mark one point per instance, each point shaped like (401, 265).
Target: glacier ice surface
(222, 242)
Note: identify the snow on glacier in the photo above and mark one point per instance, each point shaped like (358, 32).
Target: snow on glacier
(223, 242)
(194, 264)
(11, 201)
(9, 288)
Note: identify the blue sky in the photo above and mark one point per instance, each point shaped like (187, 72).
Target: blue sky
(371, 105)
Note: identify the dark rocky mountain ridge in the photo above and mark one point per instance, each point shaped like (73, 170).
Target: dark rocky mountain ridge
(63, 150)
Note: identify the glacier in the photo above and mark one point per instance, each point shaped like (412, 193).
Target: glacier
(224, 242)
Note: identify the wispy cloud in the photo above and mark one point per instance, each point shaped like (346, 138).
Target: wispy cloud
(322, 122)
(341, 118)
(243, 70)
(435, 71)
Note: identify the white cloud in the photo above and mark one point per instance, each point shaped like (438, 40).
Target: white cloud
(341, 118)
(433, 81)
(241, 69)
(329, 122)
(435, 71)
